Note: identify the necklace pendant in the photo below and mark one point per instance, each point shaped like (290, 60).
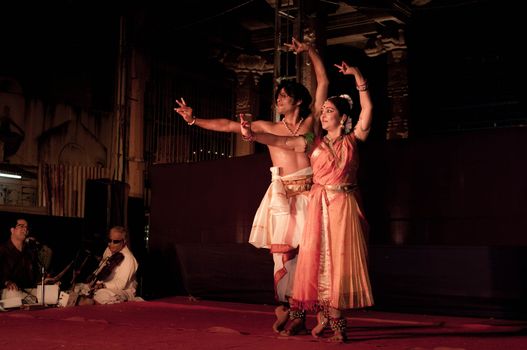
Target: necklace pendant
(294, 133)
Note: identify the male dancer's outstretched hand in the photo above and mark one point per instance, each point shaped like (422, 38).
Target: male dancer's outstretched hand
(245, 128)
(184, 110)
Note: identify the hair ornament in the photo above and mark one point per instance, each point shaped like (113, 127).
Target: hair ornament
(347, 98)
(348, 125)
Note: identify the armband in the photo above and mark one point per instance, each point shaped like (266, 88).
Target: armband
(309, 138)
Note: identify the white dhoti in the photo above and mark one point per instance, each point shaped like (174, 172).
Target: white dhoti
(279, 222)
(113, 296)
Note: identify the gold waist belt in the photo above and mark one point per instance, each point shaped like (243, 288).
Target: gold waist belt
(297, 186)
(341, 187)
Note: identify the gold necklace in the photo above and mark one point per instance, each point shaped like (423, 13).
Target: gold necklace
(330, 143)
(330, 140)
(297, 127)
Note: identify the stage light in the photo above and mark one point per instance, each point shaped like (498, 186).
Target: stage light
(11, 176)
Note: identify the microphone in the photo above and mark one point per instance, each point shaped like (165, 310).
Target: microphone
(31, 241)
(87, 251)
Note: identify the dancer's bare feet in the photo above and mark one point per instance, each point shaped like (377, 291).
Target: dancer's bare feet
(338, 337)
(297, 325)
(338, 325)
(322, 322)
(282, 315)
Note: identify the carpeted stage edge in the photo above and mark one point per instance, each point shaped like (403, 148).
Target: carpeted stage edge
(183, 323)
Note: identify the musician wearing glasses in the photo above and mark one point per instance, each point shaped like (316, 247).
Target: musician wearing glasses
(114, 280)
(18, 262)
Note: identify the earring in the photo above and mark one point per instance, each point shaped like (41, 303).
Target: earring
(342, 123)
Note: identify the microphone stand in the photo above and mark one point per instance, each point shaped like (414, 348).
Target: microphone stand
(42, 270)
(36, 249)
(42, 303)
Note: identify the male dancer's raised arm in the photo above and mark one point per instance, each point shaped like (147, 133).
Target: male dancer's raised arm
(321, 92)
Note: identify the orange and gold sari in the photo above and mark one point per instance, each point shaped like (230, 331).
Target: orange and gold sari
(332, 263)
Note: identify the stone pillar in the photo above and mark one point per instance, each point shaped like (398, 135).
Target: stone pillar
(395, 48)
(248, 70)
(136, 164)
(397, 127)
(246, 102)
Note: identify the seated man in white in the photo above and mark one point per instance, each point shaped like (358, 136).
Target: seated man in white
(114, 280)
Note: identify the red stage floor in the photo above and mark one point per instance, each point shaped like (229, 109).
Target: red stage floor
(178, 323)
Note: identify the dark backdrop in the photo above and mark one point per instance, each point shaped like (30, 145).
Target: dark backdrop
(201, 217)
(447, 219)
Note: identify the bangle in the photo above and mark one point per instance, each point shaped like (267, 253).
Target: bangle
(363, 86)
(249, 138)
(193, 121)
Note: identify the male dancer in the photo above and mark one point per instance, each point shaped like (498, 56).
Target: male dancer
(279, 220)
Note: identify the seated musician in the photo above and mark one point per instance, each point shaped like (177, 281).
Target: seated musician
(114, 280)
(19, 268)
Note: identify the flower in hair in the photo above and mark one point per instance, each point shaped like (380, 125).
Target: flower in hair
(348, 125)
(347, 98)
